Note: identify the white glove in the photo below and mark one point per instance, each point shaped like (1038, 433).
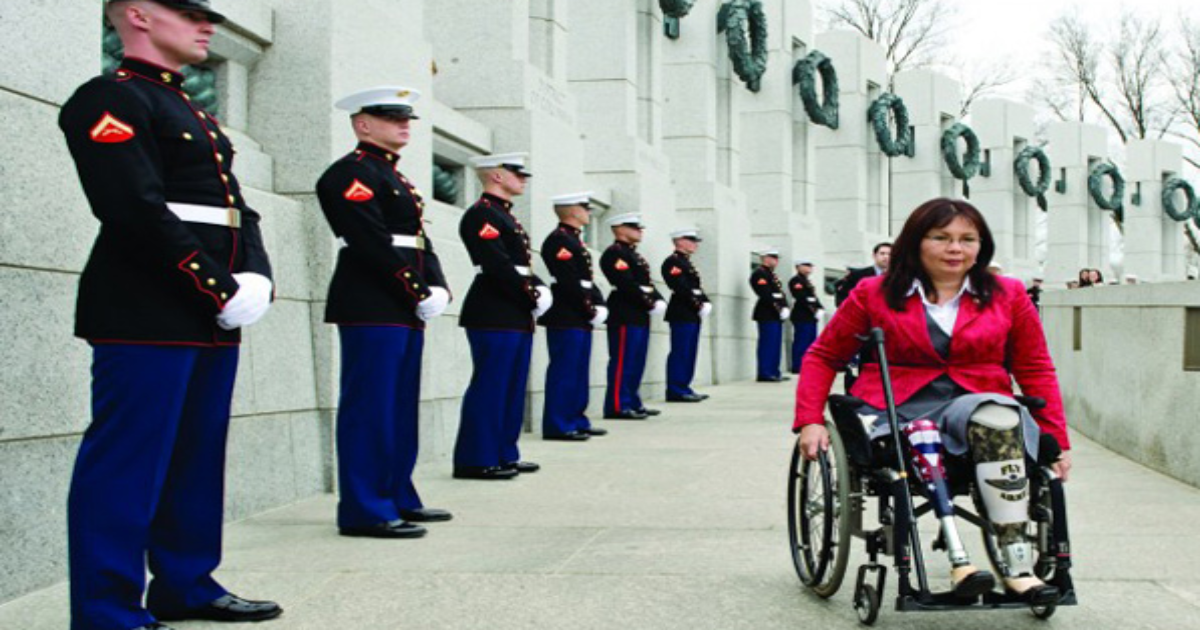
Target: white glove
(545, 299)
(433, 305)
(785, 313)
(821, 315)
(601, 316)
(705, 310)
(660, 307)
(249, 304)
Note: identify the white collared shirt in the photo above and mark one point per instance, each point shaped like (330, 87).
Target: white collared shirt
(944, 315)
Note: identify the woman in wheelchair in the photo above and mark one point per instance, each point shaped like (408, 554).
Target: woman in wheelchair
(956, 337)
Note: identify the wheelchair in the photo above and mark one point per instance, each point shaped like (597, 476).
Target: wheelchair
(827, 499)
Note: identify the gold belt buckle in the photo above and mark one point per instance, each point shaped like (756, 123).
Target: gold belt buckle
(235, 218)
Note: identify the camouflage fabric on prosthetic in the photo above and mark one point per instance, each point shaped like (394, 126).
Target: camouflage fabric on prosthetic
(999, 456)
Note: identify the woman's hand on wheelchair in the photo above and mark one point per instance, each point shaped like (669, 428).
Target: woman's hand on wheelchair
(814, 438)
(1062, 466)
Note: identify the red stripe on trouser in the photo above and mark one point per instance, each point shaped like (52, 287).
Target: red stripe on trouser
(620, 373)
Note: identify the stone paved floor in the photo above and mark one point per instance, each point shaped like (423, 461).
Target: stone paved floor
(677, 522)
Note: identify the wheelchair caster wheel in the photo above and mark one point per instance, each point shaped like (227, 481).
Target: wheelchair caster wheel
(1044, 612)
(866, 604)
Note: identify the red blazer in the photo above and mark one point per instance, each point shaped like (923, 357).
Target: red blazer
(989, 348)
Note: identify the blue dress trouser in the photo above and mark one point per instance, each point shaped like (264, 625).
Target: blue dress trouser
(148, 486)
(804, 333)
(770, 349)
(681, 361)
(627, 347)
(377, 428)
(493, 408)
(567, 378)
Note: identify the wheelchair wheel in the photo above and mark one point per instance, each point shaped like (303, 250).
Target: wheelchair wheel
(866, 604)
(818, 522)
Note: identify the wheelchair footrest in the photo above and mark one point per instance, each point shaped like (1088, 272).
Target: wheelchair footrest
(949, 601)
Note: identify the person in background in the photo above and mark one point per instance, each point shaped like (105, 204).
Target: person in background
(770, 311)
(881, 255)
(806, 311)
(688, 307)
(1035, 292)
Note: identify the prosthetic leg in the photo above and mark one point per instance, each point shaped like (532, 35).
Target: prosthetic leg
(998, 449)
(925, 445)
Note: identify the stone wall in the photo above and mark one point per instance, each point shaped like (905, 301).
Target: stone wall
(1124, 383)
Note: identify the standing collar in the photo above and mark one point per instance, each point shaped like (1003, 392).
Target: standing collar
(574, 230)
(493, 199)
(150, 71)
(377, 151)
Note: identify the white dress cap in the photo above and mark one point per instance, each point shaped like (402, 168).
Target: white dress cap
(514, 162)
(770, 251)
(688, 232)
(627, 218)
(385, 100)
(801, 261)
(573, 199)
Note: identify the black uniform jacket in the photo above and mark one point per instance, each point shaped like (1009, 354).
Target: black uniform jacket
(138, 143)
(804, 297)
(501, 296)
(367, 202)
(633, 293)
(687, 297)
(769, 290)
(851, 280)
(575, 294)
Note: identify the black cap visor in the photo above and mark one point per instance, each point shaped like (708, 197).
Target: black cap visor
(398, 112)
(516, 168)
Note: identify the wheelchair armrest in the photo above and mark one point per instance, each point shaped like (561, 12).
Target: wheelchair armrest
(843, 401)
(1032, 403)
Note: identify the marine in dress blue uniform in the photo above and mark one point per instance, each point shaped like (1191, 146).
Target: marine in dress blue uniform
(177, 270)
(770, 311)
(499, 311)
(806, 311)
(631, 303)
(578, 307)
(386, 285)
(688, 307)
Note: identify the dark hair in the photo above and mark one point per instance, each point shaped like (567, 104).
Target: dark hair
(880, 246)
(1085, 279)
(1099, 277)
(906, 253)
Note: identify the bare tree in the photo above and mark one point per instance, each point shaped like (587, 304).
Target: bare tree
(1120, 76)
(913, 33)
(1184, 76)
(916, 34)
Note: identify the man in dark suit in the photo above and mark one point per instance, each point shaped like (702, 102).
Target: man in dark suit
(631, 303)
(882, 253)
(177, 270)
(578, 308)
(387, 284)
(687, 308)
(770, 311)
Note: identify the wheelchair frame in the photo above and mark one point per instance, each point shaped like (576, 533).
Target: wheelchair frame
(826, 499)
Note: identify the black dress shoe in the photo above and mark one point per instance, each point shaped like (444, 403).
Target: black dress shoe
(483, 472)
(772, 379)
(390, 529)
(595, 431)
(649, 412)
(425, 515)
(229, 607)
(154, 626)
(625, 414)
(685, 398)
(522, 467)
(574, 436)
(703, 396)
